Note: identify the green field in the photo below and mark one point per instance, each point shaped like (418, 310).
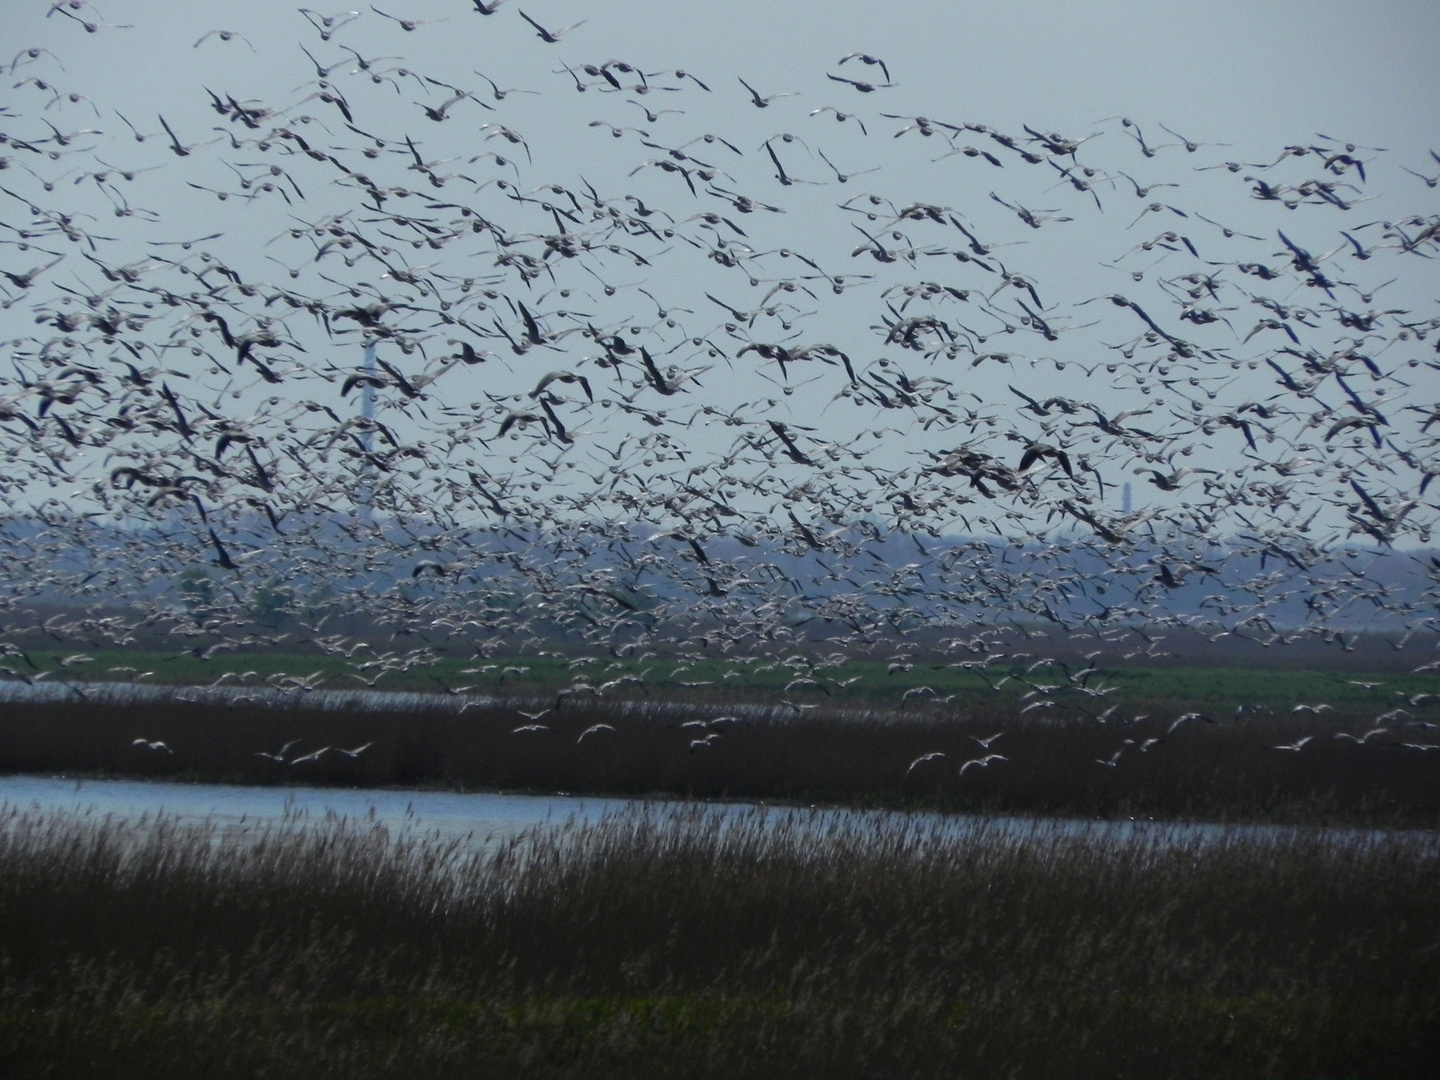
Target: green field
(848, 681)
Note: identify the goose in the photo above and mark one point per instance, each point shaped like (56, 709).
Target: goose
(551, 37)
(764, 102)
(934, 755)
(982, 762)
(279, 755)
(1360, 740)
(866, 58)
(1296, 746)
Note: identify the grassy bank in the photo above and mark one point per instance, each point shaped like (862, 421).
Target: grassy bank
(673, 943)
(1138, 762)
(1277, 681)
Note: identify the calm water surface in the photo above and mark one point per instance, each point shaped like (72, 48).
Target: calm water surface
(450, 814)
(489, 817)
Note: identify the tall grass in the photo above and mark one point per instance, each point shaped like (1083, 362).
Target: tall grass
(681, 942)
(1222, 770)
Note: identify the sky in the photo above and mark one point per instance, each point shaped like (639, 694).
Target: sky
(1232, 71)
(1240, 80)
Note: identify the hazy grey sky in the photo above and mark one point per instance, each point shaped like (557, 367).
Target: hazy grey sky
(1241, 79)
(1230, 69)
(1227, 68)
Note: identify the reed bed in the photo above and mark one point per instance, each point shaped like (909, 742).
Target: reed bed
(1226, 768)
(686, 942)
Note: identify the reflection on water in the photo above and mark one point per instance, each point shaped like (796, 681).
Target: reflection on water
(483, 818)
(450, 815)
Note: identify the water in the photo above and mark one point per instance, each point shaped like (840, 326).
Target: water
(486, 818)
(451, 815)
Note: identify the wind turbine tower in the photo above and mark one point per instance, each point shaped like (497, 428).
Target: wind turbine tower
(367, 431)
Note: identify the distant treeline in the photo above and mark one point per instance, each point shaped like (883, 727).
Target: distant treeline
(1054, 587)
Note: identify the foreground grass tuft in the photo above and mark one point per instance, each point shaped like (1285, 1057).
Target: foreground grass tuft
(683, 943)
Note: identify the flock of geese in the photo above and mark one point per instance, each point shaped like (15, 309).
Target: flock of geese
(631, 356)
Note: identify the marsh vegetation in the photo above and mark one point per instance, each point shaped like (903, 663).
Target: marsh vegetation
(677, 942)
(1174, 746)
